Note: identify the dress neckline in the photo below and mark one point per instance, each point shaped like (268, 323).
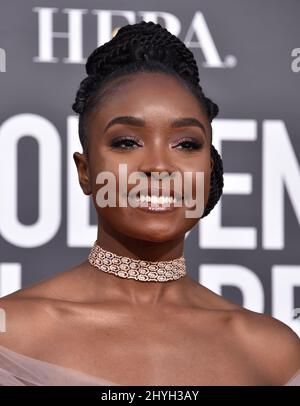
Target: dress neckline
(58, 367)
(296, 374)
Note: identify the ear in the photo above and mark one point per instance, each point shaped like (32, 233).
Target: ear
(83, 172)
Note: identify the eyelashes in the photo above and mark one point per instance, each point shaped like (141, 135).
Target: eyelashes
(192, 145)
(129, 143)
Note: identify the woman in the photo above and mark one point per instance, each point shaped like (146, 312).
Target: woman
(130, 314)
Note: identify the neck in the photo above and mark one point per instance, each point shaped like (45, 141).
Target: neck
(136, 292)
(140, 295)
(134, 248)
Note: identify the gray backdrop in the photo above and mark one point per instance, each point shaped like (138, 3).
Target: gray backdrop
(248, 53)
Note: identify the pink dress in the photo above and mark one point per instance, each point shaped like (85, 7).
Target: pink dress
(19, 370)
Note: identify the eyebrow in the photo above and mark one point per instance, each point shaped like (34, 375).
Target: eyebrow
(140, 122)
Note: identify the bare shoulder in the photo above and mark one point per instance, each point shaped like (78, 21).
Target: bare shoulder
(22, 322)
(50, 287)
(271, 347)
(271, 344)
(28, 314)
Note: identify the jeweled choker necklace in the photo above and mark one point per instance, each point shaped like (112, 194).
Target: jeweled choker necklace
(140, 270)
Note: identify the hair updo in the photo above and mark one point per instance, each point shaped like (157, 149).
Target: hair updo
(144, 47)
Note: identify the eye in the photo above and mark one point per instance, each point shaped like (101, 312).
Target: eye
(125, 143)
(189, 145)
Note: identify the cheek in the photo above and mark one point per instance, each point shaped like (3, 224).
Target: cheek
(99, 164)
(202, 165)
(109, 163)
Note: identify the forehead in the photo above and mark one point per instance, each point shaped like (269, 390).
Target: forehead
(149, 94)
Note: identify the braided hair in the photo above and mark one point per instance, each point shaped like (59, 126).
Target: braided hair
(148, 47)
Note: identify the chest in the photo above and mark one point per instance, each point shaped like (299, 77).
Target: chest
(142, 352)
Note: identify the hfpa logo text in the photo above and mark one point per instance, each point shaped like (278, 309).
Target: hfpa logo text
(103, 22)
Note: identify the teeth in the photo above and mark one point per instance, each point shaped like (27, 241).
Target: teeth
(157, 200)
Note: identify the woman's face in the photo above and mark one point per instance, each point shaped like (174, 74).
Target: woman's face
(155, 146)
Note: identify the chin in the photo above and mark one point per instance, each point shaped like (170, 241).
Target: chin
(153, 235)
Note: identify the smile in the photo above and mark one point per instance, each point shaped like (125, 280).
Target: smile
(155, 204)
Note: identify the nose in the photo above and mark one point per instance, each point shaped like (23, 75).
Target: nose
(158, 159)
